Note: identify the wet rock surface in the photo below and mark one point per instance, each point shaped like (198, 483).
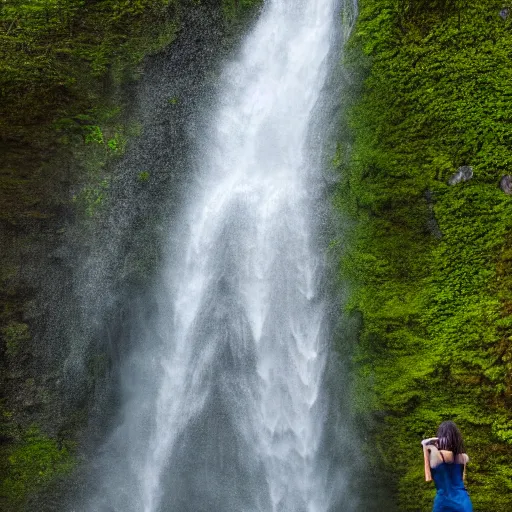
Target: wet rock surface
(506, 184)
(432, 224)
(464, 173)
(73, 286)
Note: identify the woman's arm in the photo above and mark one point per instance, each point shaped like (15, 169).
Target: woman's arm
(426, 460)
(464, 458)
(431, 456)
(429, 441)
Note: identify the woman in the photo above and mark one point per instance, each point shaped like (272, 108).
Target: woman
(445, 462)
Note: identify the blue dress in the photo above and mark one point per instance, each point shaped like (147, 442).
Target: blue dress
(451, 494)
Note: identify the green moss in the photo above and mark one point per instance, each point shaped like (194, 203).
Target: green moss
(64, 47)
(69, 59)
(238, 8)
(64, 71)
(94, 135)
(91, 199)
(430, 263)
(117, 144)
(33, 462)
(143, 176)
(15, 334)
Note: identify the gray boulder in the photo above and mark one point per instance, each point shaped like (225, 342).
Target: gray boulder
(506, 184)
(464, 173)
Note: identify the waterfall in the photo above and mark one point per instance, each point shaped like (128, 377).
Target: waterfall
(225, 409)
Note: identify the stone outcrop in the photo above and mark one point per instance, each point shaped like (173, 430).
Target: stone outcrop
(506, 184)
(464, 173)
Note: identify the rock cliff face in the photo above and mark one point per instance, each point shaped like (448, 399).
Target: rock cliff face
(430, 262)
(86, 183)
(95, 142)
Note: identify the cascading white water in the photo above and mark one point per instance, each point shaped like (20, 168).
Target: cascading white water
(226, 412)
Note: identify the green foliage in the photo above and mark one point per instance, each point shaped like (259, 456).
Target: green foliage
(15, 334)
(430, 263)
(235, 8)
(61, 64)
(117, 143)
(95, 145)
(143, 176)
(91, 198)
(54, 51)
(32, 463)
(94, 135)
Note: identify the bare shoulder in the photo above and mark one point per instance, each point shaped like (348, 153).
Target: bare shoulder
(462, 458)
(447, 456)
(435, 457)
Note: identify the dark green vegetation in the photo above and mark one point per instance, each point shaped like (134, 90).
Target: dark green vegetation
(431, 263)
(68, 72)
(33, 463)
(62, 65)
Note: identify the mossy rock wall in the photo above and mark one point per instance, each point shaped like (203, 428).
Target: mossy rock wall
(429, 261)
(83, 202)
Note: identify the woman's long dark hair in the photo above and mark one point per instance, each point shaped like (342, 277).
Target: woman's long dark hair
(450, 438)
